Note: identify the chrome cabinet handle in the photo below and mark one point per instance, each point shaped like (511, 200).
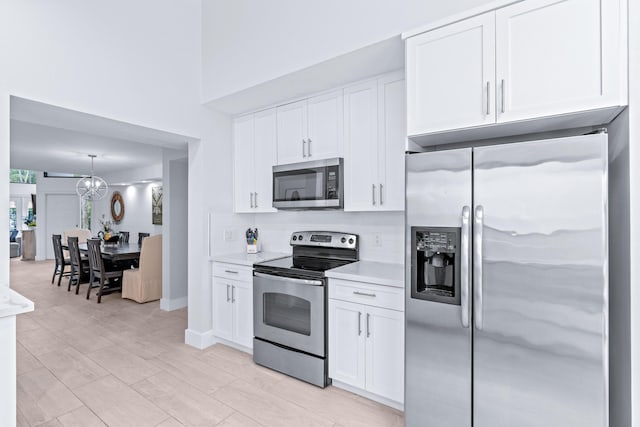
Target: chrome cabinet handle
(381, 194)
(373, 194)
(368, 329)
(228, 293)
(303, 152)
(359, 323)
(488, 98)
(231, 271)
(502, 96)
(477, 267)
(364, 294)
(309, 147)
(233, 294)
(255, 198)
(464, 267)
(251, 199)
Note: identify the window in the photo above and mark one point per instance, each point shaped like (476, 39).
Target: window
(22, 176)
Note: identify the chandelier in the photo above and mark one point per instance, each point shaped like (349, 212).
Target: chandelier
(91, 187)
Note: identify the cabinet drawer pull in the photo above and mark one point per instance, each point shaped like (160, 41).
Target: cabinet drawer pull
(231, 271)
(359, 323)
(364, 294)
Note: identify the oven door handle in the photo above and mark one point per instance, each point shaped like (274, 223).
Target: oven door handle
(290, 279)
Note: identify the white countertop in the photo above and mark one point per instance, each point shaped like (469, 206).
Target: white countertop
(246, 259)
(12, 303)
(380, 273)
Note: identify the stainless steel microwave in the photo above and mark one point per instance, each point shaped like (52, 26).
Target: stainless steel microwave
(316, 184)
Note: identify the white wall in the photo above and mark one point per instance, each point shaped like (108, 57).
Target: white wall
(248, 42)
(137, 210)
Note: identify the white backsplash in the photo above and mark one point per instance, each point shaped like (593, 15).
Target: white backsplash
(275, 230)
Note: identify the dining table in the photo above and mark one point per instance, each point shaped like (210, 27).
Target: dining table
(116, 252)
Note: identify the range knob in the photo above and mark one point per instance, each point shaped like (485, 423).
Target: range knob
(344, 239)
(300, 237)
(295, 238)
(351, 241)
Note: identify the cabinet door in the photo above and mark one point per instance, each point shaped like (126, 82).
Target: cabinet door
(242, 300)
(292, 132)
(324, 137)
(361, 142)
(450, 76)
(222, 308)
(243, 166)
(392, 137)
(385, 353)
(265, 156)
(346, 343)
(556, 56)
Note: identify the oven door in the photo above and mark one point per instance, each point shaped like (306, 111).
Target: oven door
(290, 312)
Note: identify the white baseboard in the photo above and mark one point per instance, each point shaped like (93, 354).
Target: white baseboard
(368, 395)
(167, 304)
(234, 345)
(199, 340)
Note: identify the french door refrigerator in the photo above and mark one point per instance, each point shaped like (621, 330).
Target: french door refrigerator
(506, 312)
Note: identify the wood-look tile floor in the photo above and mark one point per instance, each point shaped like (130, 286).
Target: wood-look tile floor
(120, 363)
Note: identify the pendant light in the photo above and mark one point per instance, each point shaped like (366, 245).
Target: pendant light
(91, 187)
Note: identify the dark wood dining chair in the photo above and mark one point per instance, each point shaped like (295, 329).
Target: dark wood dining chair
(98, 275)
(79, 265)
(61, 262)
(141, 236)
(124, 237)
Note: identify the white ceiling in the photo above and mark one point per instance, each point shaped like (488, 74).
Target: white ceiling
(55, 139)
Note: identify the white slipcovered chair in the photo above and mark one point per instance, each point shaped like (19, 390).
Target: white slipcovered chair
(144, 284)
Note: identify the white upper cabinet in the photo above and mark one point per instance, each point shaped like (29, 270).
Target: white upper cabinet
(556, 57)
(450, 75)
(254, 138)
(532, 60)
(375, 139)
(311, 129)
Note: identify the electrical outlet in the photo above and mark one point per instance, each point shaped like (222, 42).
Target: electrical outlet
(228, 235)
(377, 240)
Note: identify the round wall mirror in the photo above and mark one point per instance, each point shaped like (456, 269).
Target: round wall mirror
(117, 206)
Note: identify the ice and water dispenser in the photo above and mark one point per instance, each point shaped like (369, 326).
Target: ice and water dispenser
(435, 264)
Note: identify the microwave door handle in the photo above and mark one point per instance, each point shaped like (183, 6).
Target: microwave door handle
(465, 257)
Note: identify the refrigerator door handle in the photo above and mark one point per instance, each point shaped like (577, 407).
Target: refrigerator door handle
(464, 266)
(477, 266)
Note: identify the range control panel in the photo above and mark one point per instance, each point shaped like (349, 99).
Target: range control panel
(330, 239)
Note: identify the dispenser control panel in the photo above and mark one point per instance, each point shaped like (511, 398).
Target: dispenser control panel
(435, 264)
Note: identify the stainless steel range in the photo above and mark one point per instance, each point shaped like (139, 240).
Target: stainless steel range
(290, 304)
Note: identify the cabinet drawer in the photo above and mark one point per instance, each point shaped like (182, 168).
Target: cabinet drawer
(232, 271)
(367, 293)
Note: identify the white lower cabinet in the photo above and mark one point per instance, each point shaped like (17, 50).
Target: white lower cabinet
(366, 342)
(233, 304)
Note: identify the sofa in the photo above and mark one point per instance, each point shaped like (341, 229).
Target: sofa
(15, 244)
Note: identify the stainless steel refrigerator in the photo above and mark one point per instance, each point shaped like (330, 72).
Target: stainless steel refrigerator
(506, 312)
